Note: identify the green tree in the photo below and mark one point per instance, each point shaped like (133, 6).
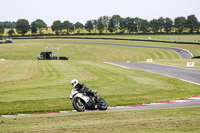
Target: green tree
(78, 26)
(144, 25)
(105, 21)
(8, 24)
(68, 26)
(22, 26)
(192, 23)
(71, 29)
(111, 25)
(40, 25)
(33, 27)
(116, 21)
(198, 27)
(11, 32)
(57, 27)
(100, 25)
(122, 25)
(168, 24)
(1, 29)
(154, 25)
(89, 26)
(138, 22)
(161, 23)
(131, 25)
(180, 24)
(95, 22)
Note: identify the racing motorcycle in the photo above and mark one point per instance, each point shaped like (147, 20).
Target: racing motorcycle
(82, 101)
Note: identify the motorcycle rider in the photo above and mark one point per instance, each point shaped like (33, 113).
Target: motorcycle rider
(81, 88)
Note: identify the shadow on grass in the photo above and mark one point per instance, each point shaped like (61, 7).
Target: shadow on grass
(196, 57)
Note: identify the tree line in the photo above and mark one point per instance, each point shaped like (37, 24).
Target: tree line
(107, 24)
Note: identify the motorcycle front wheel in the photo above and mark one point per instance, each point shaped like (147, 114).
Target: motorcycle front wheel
(78, 104)
(102, 105)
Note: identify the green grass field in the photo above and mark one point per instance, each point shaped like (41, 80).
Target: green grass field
(28, 85)
(173, 120)
(172, 38)
(81, 51)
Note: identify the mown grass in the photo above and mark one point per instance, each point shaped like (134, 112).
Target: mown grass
(76, 47)
(28, 85)
(46, 85)
(171, 120)
(82, 50)
(172, 38)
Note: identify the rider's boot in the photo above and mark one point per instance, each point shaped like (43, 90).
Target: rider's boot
(96, 97)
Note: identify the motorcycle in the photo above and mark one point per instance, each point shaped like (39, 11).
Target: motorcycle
(82, 101)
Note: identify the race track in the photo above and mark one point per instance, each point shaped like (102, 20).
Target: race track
(186, 74)
(195, 101)
(181, 52)
(185, 54)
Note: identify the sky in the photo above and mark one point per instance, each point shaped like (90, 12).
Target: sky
(84, 10)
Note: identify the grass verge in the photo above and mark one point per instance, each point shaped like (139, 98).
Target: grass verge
(173, 120)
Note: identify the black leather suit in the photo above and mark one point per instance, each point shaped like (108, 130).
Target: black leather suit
(81, 88)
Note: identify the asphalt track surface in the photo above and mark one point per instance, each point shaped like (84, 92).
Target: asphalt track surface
(182, 53)
(186, 74)
(185, 54)
(171, 104)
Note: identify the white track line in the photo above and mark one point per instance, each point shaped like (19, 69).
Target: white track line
(117, 65)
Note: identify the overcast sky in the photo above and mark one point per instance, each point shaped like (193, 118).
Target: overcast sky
(83, 10)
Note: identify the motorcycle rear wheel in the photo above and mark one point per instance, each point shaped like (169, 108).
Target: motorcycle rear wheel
(78, 104)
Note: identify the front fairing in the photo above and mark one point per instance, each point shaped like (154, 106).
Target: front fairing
(73, 92)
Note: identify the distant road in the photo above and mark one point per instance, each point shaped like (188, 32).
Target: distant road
(181, 52)
(186, 74)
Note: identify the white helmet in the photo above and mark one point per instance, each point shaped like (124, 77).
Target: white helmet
(74, 82)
